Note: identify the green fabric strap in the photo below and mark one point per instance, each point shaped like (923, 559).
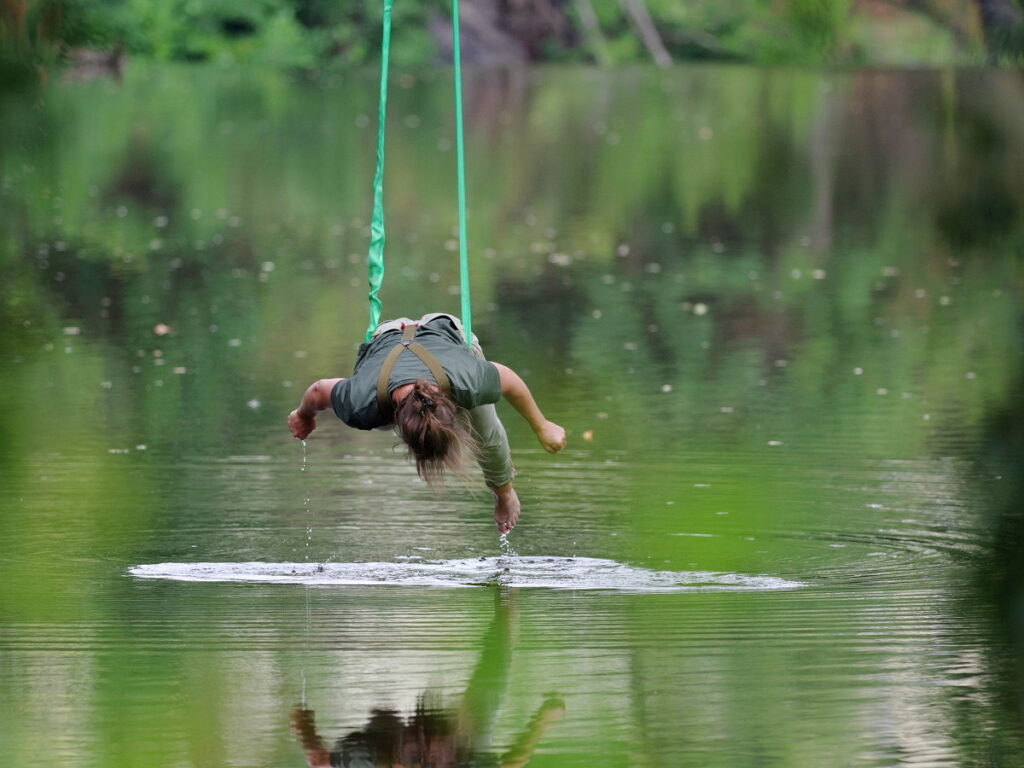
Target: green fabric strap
(467, 318)
(375, 257)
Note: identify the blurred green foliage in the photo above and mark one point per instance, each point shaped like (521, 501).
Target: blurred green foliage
(308, 34)
(164, 206)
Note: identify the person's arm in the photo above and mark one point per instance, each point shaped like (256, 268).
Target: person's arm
(522, 749)
(550, 435)
(302, 420)
(304, 726)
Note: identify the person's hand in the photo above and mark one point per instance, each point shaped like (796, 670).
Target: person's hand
(553, 707)
(302, 721)
(301, 425)
(551, 436)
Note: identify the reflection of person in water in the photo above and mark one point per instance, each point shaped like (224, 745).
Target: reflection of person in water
(435, 736)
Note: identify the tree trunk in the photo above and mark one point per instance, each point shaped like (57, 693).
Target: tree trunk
(641, 18)
(593, 32)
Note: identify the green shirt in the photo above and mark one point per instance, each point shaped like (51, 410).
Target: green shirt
(474, 381)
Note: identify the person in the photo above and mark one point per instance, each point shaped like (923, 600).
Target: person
(419, 377)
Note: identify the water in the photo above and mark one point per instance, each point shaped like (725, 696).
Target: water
(778, 313)
(506, 546)
(586, 573)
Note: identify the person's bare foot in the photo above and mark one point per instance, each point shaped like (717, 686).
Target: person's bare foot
(506, 507)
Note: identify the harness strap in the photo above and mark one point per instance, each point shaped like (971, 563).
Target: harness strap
(408, 333)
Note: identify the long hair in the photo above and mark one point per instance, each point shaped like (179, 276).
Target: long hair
(436, 431)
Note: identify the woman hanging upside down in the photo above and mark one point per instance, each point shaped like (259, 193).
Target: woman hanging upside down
(419, 377)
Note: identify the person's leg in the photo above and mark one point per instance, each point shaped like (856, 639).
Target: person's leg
(495, 460)
(494, 457)
(457, 324)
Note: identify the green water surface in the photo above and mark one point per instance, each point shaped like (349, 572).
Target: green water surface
(778, 312)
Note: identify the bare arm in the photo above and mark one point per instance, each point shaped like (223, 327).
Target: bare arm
(304, 726)
(317, 398)
(550, 435)
(522, 750)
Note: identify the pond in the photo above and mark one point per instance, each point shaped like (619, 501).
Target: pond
(778, 313)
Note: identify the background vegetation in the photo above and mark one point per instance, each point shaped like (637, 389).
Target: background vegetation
(313, 34)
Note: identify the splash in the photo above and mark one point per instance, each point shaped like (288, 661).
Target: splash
(506, 546)
(579, 573)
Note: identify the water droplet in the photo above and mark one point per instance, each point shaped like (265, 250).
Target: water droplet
(506, 546)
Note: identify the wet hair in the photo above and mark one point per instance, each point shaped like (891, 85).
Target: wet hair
(429, 737)
(435, 429)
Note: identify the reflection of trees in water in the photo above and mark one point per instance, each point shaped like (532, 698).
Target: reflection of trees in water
(438, 735)
(707, 176)
(994, 600)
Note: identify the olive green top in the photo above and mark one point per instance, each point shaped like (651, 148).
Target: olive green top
(473, 381)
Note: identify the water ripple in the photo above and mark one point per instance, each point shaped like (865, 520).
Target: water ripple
(579, 573)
